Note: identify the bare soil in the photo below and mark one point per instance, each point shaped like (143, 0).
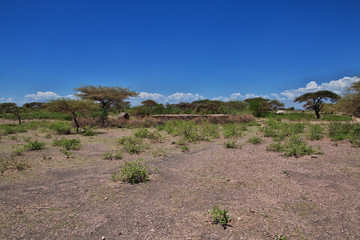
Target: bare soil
(268, 195)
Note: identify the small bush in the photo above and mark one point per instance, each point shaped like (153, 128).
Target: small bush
(132, 144)
(12, 163)
(68, 144)
(220, 216)
(132, 172)
(232, 144)
(18, 151)
(294, 147)
(316, 132)
(255, 140)
(118, 155)
(231, 130)
(34, 145)
(160, 152)
(107, 156)
(88, 131)
(60, 127)
(144, 133)
(354, 136)
(184, 148)
(68, 153)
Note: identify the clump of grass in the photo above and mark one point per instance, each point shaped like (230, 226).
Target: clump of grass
(255, 140)
(34, 145)
(132, 172)
(7, 163)
(48, 135)
(132, 144)
(339, 131)
(107, 156)
(354, 136)
(220, 216)
(232, 130)
(68, 144)
(209, 131)
(316, 132)
(295, 146)
(232, 144)
(159, 152)
(184, 148)
(19, 151)
(67, 153)
(60, 127)
(144, 133)
(88, 131)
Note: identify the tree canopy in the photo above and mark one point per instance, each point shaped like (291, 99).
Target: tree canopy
(315, 100)
(73, 107)
(107, 96)
(350, 103)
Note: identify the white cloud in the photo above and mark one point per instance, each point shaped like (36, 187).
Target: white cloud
(337, 86)
(159, 98)
(6, 100)
(45, 96)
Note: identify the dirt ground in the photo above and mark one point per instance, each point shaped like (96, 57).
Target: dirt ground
(311, 197)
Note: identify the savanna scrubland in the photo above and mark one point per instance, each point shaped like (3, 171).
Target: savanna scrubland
(72, 169)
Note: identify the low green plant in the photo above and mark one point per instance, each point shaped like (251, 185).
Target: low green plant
(19, 151)
(159, 152)
(144, 133)
(60, 127)
(48, 135)
(67, 152)
(316, 132)
(231, 130)
(286, 172)
(220, 216)
(132, 144)
(232, 144)
(295, 146)
(354, 136)
(68, 144)
(255, 140)
(107, 156)
(339, 131)
(12, 163)
(34, 145)
(118, 155)
(132, 172)
(88, 131)
(184, 148)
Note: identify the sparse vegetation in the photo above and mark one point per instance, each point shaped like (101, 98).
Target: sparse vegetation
(34, 145)
(232, 144)
(132, 172)
(132, 144)
(255, 140)
(60, 128)
(68, 144)
(220, 216)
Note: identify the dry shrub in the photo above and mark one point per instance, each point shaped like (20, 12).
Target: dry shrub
(243, 118)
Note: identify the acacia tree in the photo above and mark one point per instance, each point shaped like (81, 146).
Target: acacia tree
(106, 96)
(275, 104)
(12, 108)
(315, 100)
(350, 103)
(73, 107)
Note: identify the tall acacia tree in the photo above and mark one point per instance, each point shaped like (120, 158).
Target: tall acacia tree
(73, 107)
(12, 108)
(106, 96)
(315, 100)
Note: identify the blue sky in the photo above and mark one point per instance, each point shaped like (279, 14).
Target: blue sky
(178, 50)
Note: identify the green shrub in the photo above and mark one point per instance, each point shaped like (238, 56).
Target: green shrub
(60, 127)
(209, 131)
(295, 146)
(12, 163)
(220, 216)
(107, 156)
(231, 130)
(67, 152)
(34, 145)
(255, 140)
(18, 151)
(132, 172)
(354, 135)
(159, 152)
(89, 132)
(68, 144)
(232, 144)
(144, 133)
(132, 144)
(118, 155)
(316, 132)
(184, 148)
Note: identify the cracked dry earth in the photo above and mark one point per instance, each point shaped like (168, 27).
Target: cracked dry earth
(311, 197)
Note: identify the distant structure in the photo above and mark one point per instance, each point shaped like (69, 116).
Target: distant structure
(124, 115)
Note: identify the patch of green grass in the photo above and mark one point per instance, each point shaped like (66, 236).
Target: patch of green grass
(88, 131)
(68, 144)
(220, 216)
(132, 172)
(255, 140)
(132, 144)
(184, 148)
(232, 130)
(159, 152)
(232, 144)
(316, 132)
(34, 145)
(7, 163)
(107, 156)
(60, 127)
(295, 146)
(144, 133)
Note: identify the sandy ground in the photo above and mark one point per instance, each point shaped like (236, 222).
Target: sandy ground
(311, 197)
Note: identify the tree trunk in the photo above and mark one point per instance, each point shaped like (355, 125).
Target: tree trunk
(317, 112)
(19, 119)
(76, 123)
